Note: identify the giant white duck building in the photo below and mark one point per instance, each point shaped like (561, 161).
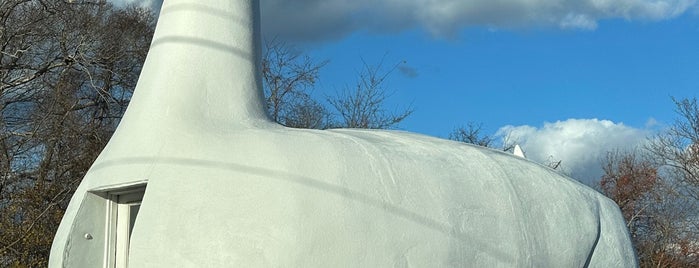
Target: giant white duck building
(197, 175)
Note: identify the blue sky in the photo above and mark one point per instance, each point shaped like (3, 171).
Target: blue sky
(569, 79)
(622, 71)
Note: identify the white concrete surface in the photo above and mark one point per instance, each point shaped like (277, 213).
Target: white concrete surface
(226, 187)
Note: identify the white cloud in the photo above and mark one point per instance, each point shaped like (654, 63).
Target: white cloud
(580, 21)
(316, 20)
(155, 4)
(581, 144)
(323, 19)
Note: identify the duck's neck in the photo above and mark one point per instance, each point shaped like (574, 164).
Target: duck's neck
(204, 63)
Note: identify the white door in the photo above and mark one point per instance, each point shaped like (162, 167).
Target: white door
(127, 206)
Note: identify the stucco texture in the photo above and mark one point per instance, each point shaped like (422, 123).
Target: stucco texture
(225, 187)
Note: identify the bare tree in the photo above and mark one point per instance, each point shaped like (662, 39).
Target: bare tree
(308, 113)
(67, 71)
(363, 106)
(632, 183)
(658, 192)
(471, 133)
(677, 150)
(288, 79)
(661, 219)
